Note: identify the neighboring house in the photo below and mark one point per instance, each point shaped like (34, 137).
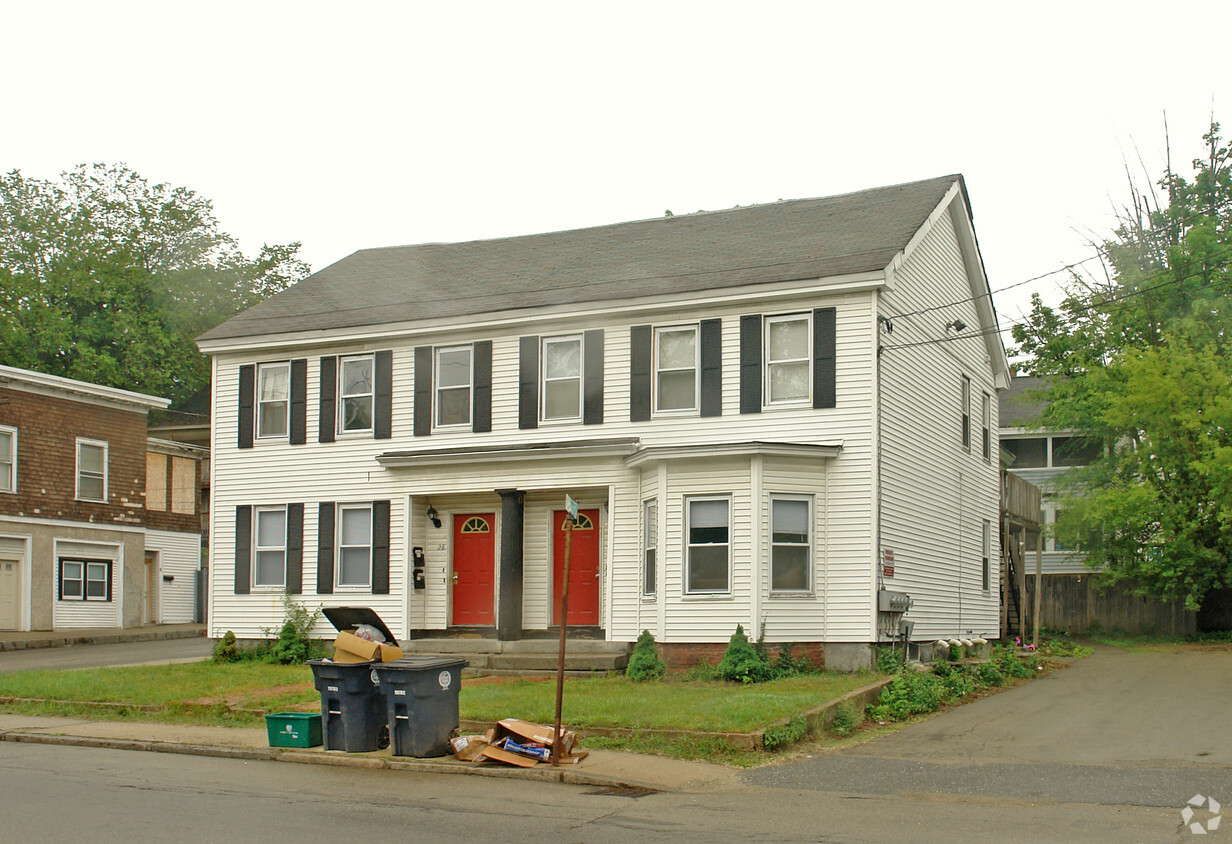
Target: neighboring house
(1041, 457)
(99, 527)
(400, 431)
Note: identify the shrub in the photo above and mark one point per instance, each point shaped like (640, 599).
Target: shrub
(702, 671)
(226, 649)
(846, 718)
(778, 736)
(910, 693)
(788, 665)
(741, 662)
(889, 660)
(644, 662)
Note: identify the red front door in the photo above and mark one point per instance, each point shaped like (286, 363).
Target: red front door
(583, 568)
(474, 547)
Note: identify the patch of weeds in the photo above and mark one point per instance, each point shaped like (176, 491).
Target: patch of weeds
(779, 736)
(702, 671)
(846, 719)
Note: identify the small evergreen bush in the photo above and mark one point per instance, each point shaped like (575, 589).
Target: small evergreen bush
(741, 662)
(226, 649)
(645, 662)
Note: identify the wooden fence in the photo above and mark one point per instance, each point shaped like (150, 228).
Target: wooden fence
(1074, 603)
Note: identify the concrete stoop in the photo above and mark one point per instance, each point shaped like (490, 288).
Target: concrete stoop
(529, 656)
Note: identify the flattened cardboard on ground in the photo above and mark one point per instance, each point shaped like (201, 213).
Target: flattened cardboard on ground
(468, 748)
(497, 754)
(350, 648)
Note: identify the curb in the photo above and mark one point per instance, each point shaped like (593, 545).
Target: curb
(328, 757)
(105, 639)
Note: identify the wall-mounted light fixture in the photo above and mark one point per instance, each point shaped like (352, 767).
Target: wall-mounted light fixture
(433, 516)
(889, 326)
(956, 325)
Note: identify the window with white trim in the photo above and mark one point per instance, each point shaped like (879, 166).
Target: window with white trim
(91, 470)
(789, 359)
(354, 545)
(987, 434)
(355, 380)
(273, 399)
(707, 545)
(791, 550)
(269, 542)
(85, 580)
(8, 459)
(986, 569)
(454, 380)
(966, 413)
(676, 366)
(562, 378)
(650, 545)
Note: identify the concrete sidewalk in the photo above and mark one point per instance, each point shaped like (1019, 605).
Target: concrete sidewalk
(11, 640)
(601, 768)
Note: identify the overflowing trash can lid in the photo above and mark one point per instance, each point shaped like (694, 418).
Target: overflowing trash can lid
(349, 618)
(421, 663)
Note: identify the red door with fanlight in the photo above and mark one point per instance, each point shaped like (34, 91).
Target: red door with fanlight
(474, 555)
(583, 568)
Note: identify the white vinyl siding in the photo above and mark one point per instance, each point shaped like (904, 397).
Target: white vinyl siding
(273, 399)
(355, 380)
(76, 612)
(179, 558)
(91, 470)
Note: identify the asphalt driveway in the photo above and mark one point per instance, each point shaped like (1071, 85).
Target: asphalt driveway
(96, 656)
(1145, 729)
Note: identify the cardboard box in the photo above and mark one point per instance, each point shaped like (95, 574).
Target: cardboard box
(350, 648)
(522, 733)
(525, 732)
(468, 748)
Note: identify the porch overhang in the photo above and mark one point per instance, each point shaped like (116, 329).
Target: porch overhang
(612, 447)
(795, 451)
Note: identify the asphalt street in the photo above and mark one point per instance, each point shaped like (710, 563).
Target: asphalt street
(90, 656)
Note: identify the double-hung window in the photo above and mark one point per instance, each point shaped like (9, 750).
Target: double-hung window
(985, 570)
(355, 545)
(987, 431)
(790, 544)
(269, 546)
(788, 359)
(273, 399)
(562, 378)
(707, 545)
(85, 580)
(676, 368)
(966, 413)
(650, 545)
(355, 393)
(8, 459)
(91, 470)
(454, 381)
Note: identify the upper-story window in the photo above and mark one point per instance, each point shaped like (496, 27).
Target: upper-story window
(1051, 452)
(1075, 451)
(355, 545)
(562, 378)
(355, 393)
(987, 431)
(8, 459)
(269, 531)
(676, 368)
(966, 413)
(273, 399)
(788, 359)
(453, 380)
(91, 470)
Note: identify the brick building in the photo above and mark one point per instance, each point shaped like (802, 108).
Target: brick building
(99, 526)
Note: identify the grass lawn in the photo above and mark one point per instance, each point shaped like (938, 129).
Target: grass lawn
(205, 693)
(1146, 643)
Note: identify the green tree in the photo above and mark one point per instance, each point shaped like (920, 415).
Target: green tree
(108, 278)
(1139, 360)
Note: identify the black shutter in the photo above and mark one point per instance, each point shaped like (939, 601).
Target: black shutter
(380, 547)
(110, 573)
(712, 367)
(423, 391)
(823, 358)
(528, 382)
(327, 418)
(383, 400)
(298, 423)
(481, 399)
(750, 363)
(295, 549)
(641, 340)
(243, 549)
(325, 548)
(248, 396)
(592, 382)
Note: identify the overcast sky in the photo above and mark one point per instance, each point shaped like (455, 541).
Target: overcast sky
(364, 124)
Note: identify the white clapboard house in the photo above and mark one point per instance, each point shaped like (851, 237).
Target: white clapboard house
(768, 416)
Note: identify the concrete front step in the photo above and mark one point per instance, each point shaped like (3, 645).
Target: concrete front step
(526, 656)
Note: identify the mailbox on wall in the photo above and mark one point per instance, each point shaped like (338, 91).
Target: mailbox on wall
(417, 556)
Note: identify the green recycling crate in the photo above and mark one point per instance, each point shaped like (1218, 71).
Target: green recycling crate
(294, 729)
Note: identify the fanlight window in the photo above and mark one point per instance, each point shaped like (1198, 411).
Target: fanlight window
(584, 523)
(475, 524)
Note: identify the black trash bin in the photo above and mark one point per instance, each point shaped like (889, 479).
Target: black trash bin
(352, 708)
(353, 712)
(421, 696)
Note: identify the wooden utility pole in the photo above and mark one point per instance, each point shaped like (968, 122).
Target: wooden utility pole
(564, 625)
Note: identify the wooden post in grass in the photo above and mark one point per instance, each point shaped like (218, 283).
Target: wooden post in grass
(567, 526)
(1039, 582)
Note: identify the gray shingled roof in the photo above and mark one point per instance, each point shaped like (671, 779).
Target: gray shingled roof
(1017, 408)
(781, 241)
